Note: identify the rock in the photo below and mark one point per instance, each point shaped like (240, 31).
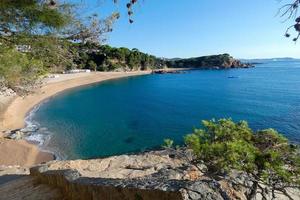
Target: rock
(29, 129)
(147, 176)
(19, 134)
(124, 166)
(152, 175)
(166, 71)
(5, 91)
(222, 61)
(192, 173)
(16, 135)
(240, 178)
(5, 133)
(202, 167)
(207, 190)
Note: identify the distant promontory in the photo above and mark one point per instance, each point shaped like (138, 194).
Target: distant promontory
(222, 61)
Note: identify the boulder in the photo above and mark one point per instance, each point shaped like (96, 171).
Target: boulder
(16, 135)
(29, 129)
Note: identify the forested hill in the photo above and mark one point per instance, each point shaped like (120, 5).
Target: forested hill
(107, 58)
(222, 61)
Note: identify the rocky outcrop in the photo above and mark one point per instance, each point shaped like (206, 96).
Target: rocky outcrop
(4, 91)
(19, 134)
(222, 61)
(152, 175)
(230, 62)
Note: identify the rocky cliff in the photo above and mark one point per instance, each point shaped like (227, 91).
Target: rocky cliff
(153, 175)
(222, 61)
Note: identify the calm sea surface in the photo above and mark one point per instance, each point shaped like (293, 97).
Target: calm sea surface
(137, 113)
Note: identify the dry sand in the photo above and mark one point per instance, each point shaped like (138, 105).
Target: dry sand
(23, 153)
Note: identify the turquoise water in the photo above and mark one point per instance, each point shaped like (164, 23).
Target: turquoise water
(137, 113)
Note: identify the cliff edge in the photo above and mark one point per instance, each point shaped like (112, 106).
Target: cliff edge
(164, 174)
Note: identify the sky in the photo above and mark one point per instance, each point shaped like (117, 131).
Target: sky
(190, 28)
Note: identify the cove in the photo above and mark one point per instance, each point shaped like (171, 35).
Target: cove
(135, 114)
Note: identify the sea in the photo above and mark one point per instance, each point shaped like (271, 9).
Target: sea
(136, 114)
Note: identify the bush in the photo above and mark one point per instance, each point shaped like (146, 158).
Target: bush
(19, 70)
(168, 143)
(266, 155)
(92, 65)
(113, 66)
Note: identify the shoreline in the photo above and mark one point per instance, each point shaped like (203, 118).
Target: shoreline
(19, 108)
(23, 152)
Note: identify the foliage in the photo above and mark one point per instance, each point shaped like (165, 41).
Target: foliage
(92, 65)
(45, 32)
(224, 145)
(19, 70)
(27, 37)
(90, 29)
(168, 143)
(288, 11)
(109, 58)
(31, 16)
(221, 60)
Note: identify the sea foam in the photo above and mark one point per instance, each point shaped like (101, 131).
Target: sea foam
(39, 135)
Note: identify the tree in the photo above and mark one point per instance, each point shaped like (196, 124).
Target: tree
(19, 71)
(289, 11)
(50, 31)
(31, 17)
(29, 26)
(91, 30)
(265, 155)
(92, 65)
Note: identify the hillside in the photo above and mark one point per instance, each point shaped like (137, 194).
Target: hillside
(222, 61)
(20, 72)
(107, 58)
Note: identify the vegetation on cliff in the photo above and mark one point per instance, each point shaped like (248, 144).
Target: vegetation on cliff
(24, 25)
(213, 61)
(39, 36)
(265, 155)
(107, 58)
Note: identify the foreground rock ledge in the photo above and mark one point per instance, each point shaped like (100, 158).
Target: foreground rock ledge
(147, 176)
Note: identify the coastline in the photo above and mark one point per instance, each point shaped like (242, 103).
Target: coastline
(24, 153)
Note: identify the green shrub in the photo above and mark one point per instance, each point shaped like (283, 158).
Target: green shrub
(224, 145)
(168, 143)
(92, 65)
(19, 70)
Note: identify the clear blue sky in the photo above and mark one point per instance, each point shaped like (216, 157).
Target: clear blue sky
(187, 28)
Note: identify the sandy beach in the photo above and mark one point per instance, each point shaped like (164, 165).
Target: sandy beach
(23, 153)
